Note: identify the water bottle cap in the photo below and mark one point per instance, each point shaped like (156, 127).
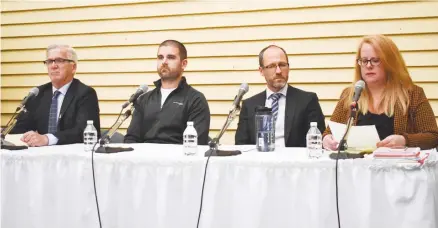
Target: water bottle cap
(261, 110)
(189, 123)
(89, 121)
(313, 124)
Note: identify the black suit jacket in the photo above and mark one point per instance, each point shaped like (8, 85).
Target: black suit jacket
(152, 124)
(301, 108)
(80, 104)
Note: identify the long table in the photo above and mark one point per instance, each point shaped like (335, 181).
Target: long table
(157, 186)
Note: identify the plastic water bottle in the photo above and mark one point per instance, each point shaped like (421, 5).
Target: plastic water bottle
(314, 141)
(265, 129)
(90, 136)
(190, 137)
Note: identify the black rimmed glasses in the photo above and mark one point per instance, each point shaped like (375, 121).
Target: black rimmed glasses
(364, 61)
(58, 61)
(273, 66)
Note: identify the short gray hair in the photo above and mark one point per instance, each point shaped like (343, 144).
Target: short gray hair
(71, 53)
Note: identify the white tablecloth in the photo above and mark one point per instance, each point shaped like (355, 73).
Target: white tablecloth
(157, 186)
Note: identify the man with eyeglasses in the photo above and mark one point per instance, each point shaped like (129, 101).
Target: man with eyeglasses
(293, 109)
(59, 114)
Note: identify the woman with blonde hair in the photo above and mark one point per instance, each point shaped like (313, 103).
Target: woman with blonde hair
(391, 101)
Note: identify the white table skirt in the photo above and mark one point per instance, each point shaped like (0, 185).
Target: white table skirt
(156, 186)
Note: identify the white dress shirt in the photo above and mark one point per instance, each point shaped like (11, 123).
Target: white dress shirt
(279, 125)
(63, 90)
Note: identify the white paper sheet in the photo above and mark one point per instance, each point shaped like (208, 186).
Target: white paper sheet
(359, 137)
(15, 139)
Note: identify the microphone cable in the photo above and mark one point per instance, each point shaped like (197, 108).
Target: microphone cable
(213, 142)
(202, 189)
(94, 183)
(93, 150)
(336, 172)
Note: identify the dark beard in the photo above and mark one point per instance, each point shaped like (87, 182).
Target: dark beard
(171, 76)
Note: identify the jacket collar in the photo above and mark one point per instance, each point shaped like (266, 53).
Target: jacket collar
(182, 83)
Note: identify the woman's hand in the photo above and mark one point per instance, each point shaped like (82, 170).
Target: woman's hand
(329, 143)
(392, 141)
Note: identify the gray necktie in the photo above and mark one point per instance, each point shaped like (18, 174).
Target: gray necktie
(275, 97)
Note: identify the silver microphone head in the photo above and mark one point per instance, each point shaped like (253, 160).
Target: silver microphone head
(144, 88)
(358, 87)
(244, 87)
(242, 90)
(360, 84)
(34, 91)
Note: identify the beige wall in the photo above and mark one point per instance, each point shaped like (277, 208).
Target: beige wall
(117, 45)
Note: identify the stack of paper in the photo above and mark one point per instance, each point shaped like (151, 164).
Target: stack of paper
(412, 153)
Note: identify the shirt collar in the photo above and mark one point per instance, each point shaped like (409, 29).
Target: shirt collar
(63, 89)
(282, 91)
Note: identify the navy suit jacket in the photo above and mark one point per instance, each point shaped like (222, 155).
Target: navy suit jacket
(80, 104)
(301, 108)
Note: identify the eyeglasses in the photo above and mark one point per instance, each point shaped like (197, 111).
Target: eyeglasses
(283, 66)
(364, 62)
(58, 61)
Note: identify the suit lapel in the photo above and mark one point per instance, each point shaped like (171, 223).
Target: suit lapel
(44, 109)
(67, 99)
(261, 100)
(289, 114)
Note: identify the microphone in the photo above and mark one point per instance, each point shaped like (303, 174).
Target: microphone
(358, 87)
(13, 121)
(242, 90)
(32, 93)
(213, 144)
(142, 89)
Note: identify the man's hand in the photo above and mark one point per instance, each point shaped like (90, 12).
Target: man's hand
(32, 138)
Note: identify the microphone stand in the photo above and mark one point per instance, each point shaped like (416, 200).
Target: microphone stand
(343, 145)
(105, 139)
(9, 126)
(213, 144)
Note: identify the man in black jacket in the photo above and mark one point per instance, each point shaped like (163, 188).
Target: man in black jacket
(59, 114)
(161, 115)
(293, 108)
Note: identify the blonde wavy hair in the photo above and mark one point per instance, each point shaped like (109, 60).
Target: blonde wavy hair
(398, 80)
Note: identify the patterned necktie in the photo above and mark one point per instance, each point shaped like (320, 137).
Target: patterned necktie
(275, 97)
(53, 122)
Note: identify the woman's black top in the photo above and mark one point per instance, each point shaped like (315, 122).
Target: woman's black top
(384, 124)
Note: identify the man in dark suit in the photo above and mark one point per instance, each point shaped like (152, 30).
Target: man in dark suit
(59, 114)
(294, 108)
